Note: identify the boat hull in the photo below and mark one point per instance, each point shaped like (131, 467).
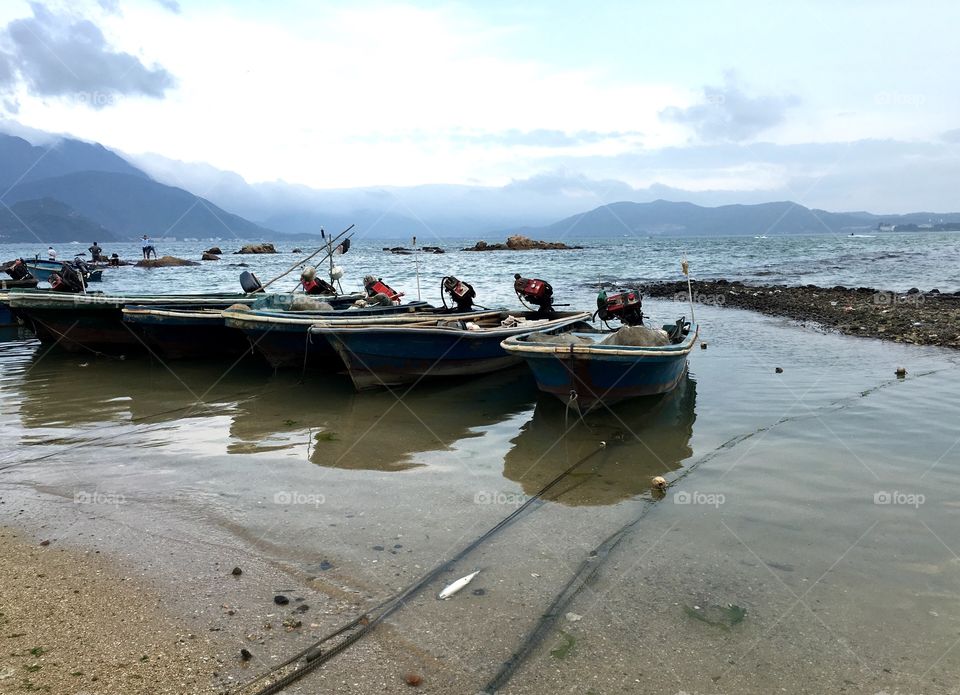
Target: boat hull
(42, 270)
(284, 340)
(186, 335)
(601, 375)
(85, 322)
(384, 356)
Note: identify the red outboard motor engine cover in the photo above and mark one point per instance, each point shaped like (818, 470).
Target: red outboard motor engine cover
(625, 305)
(462, 293)
(318, 286)
(378, 286)
(534, 291)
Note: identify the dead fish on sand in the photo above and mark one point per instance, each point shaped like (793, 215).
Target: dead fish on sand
(451, 589)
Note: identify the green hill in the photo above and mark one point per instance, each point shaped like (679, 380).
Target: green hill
(48, 221)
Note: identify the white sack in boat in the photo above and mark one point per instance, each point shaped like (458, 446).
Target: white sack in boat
(638, 336)
(561, 339)
(306, 303)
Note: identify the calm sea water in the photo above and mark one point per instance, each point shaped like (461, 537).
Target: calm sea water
(885, 261)
(824, 500)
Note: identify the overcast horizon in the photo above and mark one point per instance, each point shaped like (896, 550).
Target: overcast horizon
(839, 107)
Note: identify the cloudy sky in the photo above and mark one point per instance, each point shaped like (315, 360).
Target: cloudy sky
(842, 105)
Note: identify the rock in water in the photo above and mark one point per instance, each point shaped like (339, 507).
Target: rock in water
(521, 243)
(164, 262)
(257, 248)
(207, 256)
(214, 250)
(281, 600)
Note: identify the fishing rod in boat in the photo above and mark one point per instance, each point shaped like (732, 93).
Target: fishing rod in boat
(251, 284)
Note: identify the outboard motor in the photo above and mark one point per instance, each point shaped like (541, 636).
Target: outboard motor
(536, 292)
(378, 292)
(67, 279)
(624, 305)
(18, 271)
(313, 285)
(250, 283)
(462, 293)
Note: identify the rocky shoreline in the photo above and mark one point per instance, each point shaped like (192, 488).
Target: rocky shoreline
(915, 317)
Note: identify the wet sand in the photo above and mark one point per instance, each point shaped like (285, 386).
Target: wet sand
(73, 622)
(915, 317)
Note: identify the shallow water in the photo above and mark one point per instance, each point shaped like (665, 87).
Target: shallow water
(823, 500)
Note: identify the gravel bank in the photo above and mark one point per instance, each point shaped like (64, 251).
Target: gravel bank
(920, 318)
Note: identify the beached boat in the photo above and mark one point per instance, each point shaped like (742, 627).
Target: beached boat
(283, 338)
(603, 367)
(389, 354)
(42, 270)
(178, 333)
(94, 321)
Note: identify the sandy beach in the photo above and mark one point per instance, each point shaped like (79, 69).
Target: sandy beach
(72, 622)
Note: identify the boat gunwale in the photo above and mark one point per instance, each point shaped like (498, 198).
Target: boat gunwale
(515, 345)
(250, 318)
(333, 328)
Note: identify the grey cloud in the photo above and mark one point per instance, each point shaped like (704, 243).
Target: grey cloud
(7, 76)
(949, 136)
(543, 137)
(728, 113)
(60, 55)
(171, 5)
(110, 6)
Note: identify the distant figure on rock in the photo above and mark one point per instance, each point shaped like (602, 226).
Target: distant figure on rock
(51, 254)
(115, 260)
(96, 253)
(148, 248)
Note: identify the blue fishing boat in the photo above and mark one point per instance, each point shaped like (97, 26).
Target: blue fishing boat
(390, 354)
(94, 321)
(42, 270)
(283, 337)
(198, 333)
(592, 367)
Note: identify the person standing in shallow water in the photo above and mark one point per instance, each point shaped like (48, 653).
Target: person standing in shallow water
(148, 248)
(96, 253)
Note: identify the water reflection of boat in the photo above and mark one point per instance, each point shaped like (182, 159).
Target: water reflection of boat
(374, 431)
(645, 437)
(62, 390)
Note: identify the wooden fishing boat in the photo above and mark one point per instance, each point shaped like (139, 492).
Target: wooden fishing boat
(7, 319)
(94, 321)
(582, 360)
(42, 270)
(201, 333)
(389, 354)
(283, 338)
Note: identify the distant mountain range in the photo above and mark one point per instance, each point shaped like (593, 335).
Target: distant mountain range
(75, 191)
(666, 217)
(70, 190)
